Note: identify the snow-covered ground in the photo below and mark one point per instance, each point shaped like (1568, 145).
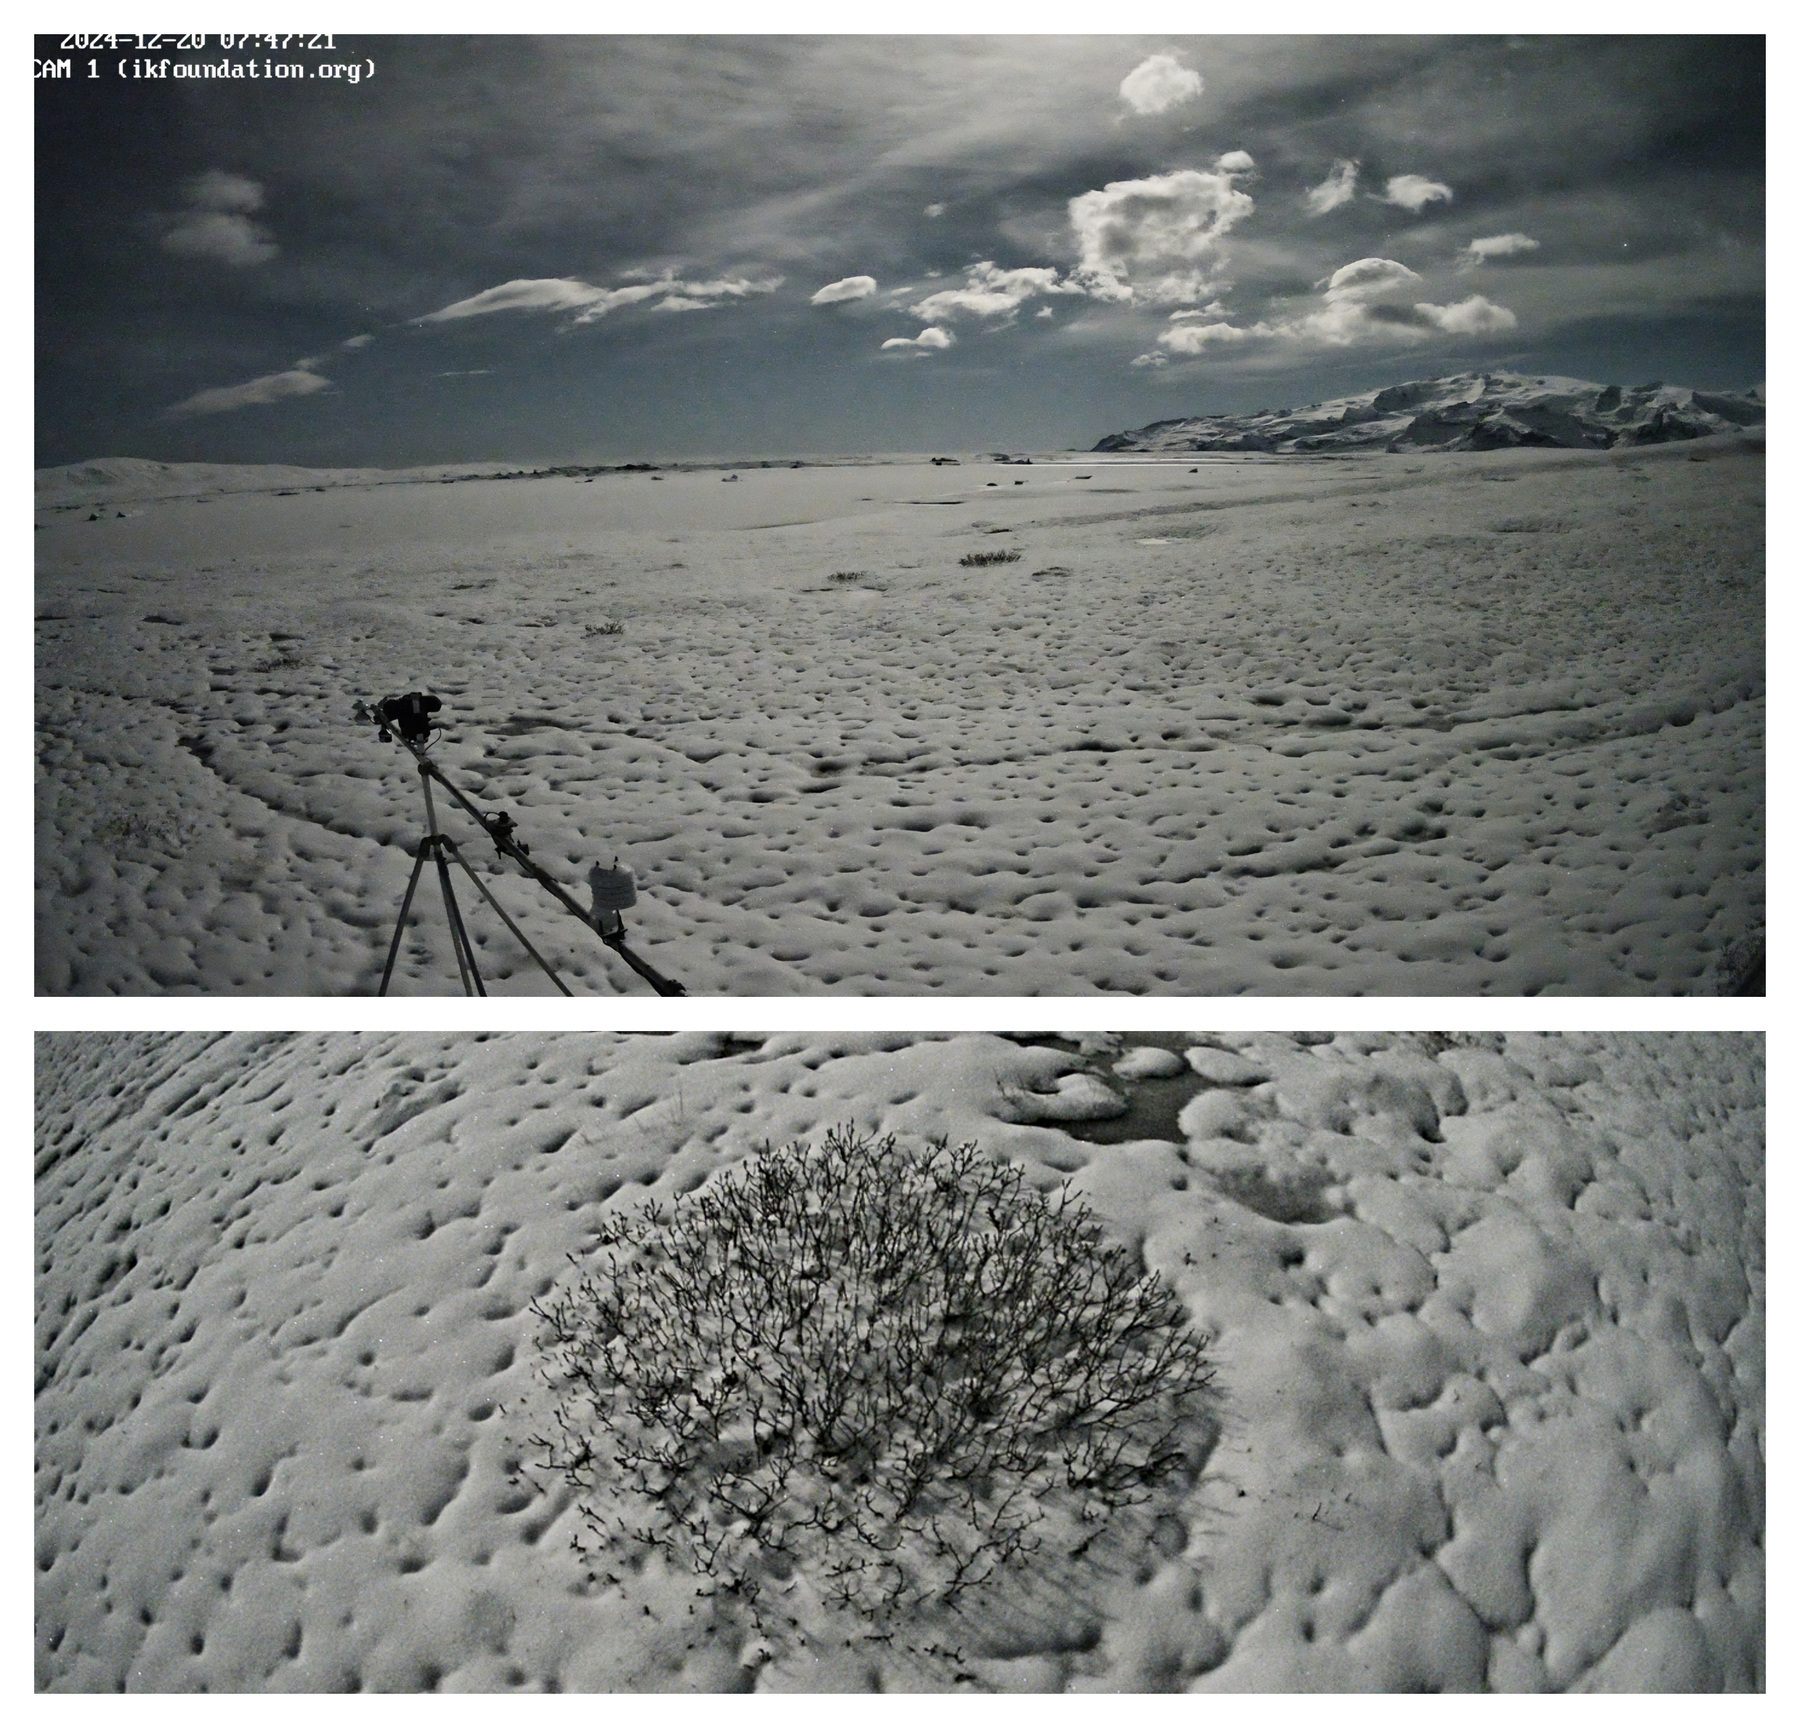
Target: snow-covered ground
(1431, 724)
(1487, 1314)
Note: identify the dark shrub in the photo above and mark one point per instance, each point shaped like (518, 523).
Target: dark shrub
(874, 1364)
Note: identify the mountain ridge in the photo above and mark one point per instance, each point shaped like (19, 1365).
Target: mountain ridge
(1464, 411)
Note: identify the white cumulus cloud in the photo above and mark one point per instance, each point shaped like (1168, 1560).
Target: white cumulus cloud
(1235, 162)
(927, 339)
(991, 292)
(275, 387)
(1155, 240)
(1413, 192)
(1338, 187)
(845, 288)
(1159, 84)
(1190, 339)
(1475, 316)
(1499, 246)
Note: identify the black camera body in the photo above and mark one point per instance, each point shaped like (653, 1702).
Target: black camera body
(409, 715)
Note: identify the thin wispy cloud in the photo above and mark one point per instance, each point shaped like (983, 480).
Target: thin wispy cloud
(589, 303)
(256, 393)
(1336, 189)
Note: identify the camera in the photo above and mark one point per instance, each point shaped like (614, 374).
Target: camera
(409, 715)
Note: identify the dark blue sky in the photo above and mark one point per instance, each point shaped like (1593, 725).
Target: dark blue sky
(626, 248)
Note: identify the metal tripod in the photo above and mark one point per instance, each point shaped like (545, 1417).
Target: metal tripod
(443, 851)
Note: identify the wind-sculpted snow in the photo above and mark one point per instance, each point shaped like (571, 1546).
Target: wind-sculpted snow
(1460, 725)
(1486, 1309)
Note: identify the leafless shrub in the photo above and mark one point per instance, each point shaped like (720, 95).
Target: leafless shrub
(978, 560)
(879, 1366)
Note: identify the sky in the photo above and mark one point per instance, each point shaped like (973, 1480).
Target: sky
(439, 248)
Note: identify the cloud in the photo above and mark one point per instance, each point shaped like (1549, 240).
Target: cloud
(222, 238)
(1155, 240)
(1338, 187)
(1235, 162)
(570, 294)
(357, 342)
(534, 294)
(1497, 246)
(847, 288)
(929, 338)
(1365, 278)
(1190, 339)
(991, 292)
(274, 388)
(1413, 192)
(935, 210)
(1159, 84)
(1363, 302)
(217, 190)
(216, 226)
(703, 296)
(1475, 316)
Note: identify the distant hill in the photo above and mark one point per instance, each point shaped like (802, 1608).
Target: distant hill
(1471, 411)
(119, 478)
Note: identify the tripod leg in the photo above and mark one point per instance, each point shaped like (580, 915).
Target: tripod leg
(482, 888)
(459, 936)
(387, 971)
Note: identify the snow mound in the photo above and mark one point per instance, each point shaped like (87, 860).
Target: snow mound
(1487, 1312)
(1469, 411)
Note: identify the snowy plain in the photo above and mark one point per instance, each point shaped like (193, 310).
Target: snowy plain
(1487, 1310)
(1442, 723)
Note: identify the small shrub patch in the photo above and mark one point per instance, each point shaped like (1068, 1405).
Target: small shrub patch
(875, 1365)
(976, 560)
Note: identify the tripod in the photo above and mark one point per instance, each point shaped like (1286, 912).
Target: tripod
(443, 851)
(440, 850)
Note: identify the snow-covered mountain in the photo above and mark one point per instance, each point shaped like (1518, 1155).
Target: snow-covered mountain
(1471, 411)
